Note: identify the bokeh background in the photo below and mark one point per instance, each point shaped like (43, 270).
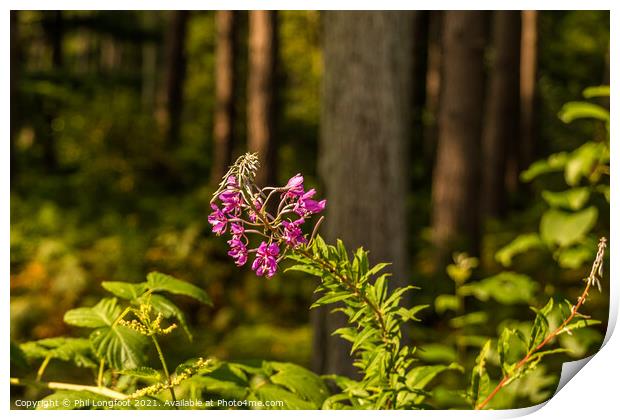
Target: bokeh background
(414, 125)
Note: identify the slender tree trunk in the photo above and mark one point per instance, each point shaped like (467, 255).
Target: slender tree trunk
(54, 31)
(225, 56)
(418, 91)
(14, 90)
(501, 129)
(522, 155)
(456, 180)
(263, 52)
(175, 74)
(365, 127)
(433, 82)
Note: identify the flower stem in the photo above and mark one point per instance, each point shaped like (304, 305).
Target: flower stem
(598, 262)
(106, 392)
(165, 367)
(43, 367)
(100, 376)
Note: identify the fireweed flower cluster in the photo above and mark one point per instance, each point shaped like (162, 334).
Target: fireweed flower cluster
(244, 210)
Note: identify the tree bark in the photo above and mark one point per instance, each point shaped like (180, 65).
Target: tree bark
(176, 63)
(433, 82)
(419, 55)
(501, 130)
(456, 180)
(263, 51)
(14, 90)
(224, 123)
(365, 127)
(524, 154)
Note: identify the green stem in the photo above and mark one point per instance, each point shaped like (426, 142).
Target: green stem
(165, 367)
(106, 392)
(42, 367)
(100, 376)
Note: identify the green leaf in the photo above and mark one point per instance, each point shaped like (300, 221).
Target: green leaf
(564, 229)
(410, 314)
(472, 318)
(540, 329)
(291, 401)
(124, 290)
(511, 345)
(71, 400)
(103, 313)
(519, 245)
(576, 256)
(573, 199)
(419, 377)
(596, 91)
(436, 353)
(306, 268)
(480, 381)
(506, 287)
(76, 350)
(142, 372)
(122, 347)
(362, 338)
(584, 160)
(331, 297)
(300, 381)
(444, 303)
(553, 163)
(576, 110)
(159, 282)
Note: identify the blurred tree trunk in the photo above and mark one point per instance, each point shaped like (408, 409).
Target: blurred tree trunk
(365, 127)
(523, 154)
(175, 74)
(225, 56)
(53, 28)
(418, 91)
(456, 180)
(433, 82)
(501, 129)
(263, 52)
(14, 90)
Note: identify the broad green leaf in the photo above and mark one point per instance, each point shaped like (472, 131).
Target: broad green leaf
(446, 302)
(506, 287)
(576, 110)
(291, 401)
(300, 381)
(583, 160)
(142, 372)
(122, 347)
(564, 229)
(102, 314)
(472, 318)
(573, 199)
(124, 290)
(553, 163)
(76, 350)
(436, 353)
(519, 245)
(596, 91)
(511, 346)
(71, 400)
(159, 282)
(576, 256)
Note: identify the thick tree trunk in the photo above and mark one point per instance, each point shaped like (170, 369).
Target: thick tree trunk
(524, 154)
(501, 129)
(420, 64)
(175, 74)
(263, 51)
(456, 180)
(225, 56)
(365, 127)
